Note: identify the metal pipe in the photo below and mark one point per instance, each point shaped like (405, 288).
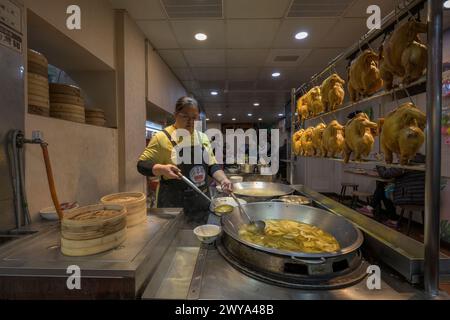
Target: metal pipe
(433, 148)
(292, 156)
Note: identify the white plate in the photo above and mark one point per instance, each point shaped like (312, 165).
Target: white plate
(49, 213)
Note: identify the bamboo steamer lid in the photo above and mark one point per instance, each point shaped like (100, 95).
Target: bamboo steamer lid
(68, 99)
(37, 57)
(93, 229)
(38, 110)
(134, 202)
(60, 88)
(37, 69)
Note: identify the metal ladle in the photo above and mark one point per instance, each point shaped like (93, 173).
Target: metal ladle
(193, 186)
(258, 226)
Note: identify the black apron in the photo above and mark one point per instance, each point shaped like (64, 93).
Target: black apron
(177, 194)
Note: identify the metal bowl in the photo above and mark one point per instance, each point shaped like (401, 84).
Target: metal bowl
(349, 237)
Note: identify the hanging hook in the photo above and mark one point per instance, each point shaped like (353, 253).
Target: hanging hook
(407, 93)
(395, 97)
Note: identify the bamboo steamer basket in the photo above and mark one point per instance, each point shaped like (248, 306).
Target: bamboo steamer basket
(98, 123)
(68, 108)
(37, 69)
(93, 229)
(37, 57)
(134, 202)
(37, 79)
(38, 110)
(60, 88)
(67, 99)
(38, 91)
(68, 117)
(39, 99)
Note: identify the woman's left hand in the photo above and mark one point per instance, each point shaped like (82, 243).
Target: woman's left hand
(226, 185)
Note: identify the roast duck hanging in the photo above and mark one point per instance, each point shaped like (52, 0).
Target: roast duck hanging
(403, 54)
(359, 137)
(317, 137)
(402, 133)
(296, 141)
(364, 77)
(332, 92)
(307, 148)
(333, 139)
(302, 109)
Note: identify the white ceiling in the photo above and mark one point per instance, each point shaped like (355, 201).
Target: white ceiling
(244, 37)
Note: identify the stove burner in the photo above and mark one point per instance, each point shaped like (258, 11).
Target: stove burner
(330, 273)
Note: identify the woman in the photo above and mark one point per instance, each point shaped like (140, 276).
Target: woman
(157, 160)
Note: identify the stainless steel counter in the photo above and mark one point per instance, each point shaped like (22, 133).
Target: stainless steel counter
(190, 270)
(399, 251)
(33, 267)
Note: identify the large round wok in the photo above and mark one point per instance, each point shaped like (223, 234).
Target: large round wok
(254, 190)
(349, 237)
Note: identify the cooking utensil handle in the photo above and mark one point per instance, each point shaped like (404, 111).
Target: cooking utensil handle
(193, 186)
(321, 260)
(241, 210)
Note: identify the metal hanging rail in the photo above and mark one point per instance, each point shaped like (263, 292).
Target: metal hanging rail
(387, 24)
(433, 137)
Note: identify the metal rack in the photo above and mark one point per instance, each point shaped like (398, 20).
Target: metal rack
(433, 82)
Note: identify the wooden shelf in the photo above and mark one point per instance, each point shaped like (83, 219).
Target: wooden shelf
(378, 95)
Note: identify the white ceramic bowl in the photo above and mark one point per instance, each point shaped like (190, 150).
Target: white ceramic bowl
(207, 233)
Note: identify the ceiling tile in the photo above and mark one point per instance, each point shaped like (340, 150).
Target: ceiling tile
(174, 58)
(358, 8)
(251, 33)
(246, 57)
(256, 8)
(186, 30)
(205, 57)
(286, 57)
(316, 28)
(206, 74)
(321, 57)
(346, 32)
(141, 9)
(191, 85)
(159, 34)
(213, 85)
(243, 74)
(241, 85)
(286, 73)
(183, 74)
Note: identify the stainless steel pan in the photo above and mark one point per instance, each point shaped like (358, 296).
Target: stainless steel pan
(271, 190)
(349, 237)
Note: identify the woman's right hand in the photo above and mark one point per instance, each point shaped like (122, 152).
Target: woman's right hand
(169, 171)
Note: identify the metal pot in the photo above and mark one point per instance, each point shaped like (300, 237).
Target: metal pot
(251, 191)
(349, 237)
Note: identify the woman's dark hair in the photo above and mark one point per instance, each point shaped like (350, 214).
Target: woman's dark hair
(184, 102)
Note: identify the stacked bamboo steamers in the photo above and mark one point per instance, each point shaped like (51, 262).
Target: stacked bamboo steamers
(38, 95)
(66, 103)
(102, 227)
